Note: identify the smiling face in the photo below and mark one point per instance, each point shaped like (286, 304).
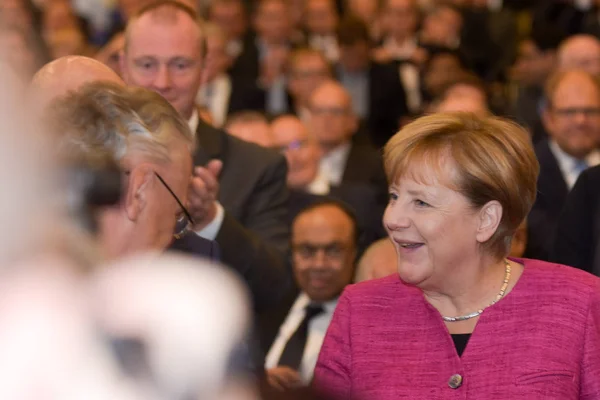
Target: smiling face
(573, 117)
(324, 250)
(163, 53)
(433, 227)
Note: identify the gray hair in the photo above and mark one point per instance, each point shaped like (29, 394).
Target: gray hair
(103, 123)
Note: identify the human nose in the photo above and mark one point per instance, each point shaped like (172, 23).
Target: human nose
(319, 259)
(396, 218)
(580, 117)
(163, 78)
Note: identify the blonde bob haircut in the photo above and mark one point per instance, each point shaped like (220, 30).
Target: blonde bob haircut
(482, 158)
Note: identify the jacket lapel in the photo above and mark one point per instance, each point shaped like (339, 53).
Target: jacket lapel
(210, 144)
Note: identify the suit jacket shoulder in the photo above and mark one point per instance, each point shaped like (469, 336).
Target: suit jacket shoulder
(551, 196)
(254, 235)
(577, 240)
(387, 102)
(365, 165)
(551, 182)
(244, 166)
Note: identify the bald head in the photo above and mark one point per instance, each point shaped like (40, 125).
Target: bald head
(463, 97)
(332, 119)
(288, 128)
(66, 74)
(300, 149)
(334, 91)
(581, 52)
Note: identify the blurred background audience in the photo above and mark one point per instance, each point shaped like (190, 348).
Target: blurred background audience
(264, 110)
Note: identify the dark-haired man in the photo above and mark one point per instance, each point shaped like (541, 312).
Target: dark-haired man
(324, 238)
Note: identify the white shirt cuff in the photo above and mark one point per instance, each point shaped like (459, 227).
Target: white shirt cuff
(211, 230)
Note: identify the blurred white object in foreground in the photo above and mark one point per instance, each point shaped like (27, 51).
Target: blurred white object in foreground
(190, 315)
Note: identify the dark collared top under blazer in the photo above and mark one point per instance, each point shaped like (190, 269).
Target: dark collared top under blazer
(254, 235)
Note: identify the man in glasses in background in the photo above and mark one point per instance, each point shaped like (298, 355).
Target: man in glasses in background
(334, 123)
(572, 120)
(324, 239)
(308, 184)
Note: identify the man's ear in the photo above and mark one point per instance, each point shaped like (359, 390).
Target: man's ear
(547, 119)
(136, 197)
(490, 217)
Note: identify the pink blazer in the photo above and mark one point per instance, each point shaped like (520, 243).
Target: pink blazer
(542, 341)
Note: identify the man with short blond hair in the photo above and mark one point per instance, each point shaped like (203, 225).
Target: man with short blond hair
(238, 195)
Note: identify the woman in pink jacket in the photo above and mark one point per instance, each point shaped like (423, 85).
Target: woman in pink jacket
(460, 320)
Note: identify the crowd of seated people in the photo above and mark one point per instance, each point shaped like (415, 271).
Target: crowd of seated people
(425, 150)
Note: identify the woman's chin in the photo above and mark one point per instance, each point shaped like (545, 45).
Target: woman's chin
(413, 275)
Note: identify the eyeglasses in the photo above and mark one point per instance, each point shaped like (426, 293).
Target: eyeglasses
(333, 111)
(333, 251)
(306, 74)
(294, 145)
(570, 112)
(184, 222)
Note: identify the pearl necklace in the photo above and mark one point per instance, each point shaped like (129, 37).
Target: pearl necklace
(478, 312)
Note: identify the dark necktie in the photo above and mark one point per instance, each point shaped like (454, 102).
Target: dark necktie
(294, 349)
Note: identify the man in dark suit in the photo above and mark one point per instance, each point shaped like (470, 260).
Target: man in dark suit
(221, 93)
(572, 120)
(333, 122)
(232, 17)
(323, 252)
(238, 195)
(577, 241)
(321, 19)
(264, 54)
(307, 186)
(307, 69)
(377, 94)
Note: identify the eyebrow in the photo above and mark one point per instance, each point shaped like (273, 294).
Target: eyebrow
(416, 192)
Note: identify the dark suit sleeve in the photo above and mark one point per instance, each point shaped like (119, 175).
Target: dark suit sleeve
(541, 229)
(263, 267)
(573, 244)
(266, 212)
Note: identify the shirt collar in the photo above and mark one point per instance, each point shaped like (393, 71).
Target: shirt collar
(319, 185)
(339, 155)
(303, 300)
(567, 162)
(404, 50)
(194, 121)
